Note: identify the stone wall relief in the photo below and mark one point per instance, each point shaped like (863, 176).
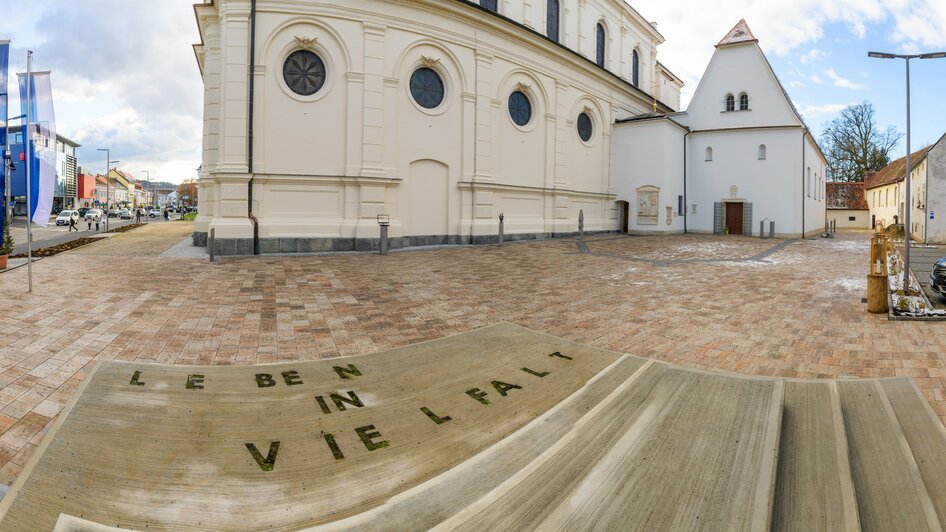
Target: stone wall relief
(648, 212)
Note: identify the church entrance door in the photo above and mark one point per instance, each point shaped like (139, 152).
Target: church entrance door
(624, 208)
(734, 218)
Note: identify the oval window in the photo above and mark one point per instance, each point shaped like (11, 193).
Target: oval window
(427, 88)
(585, 127)
(520, 109)
(304, 72)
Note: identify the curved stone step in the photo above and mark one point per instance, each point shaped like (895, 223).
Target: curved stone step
(925, 435)
(890, 490)
(678, 450)
(814, 489)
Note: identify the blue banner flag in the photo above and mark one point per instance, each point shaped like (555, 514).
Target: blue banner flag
(4, 141)
(40, 144)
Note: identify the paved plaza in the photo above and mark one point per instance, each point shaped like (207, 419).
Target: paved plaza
(763, 307)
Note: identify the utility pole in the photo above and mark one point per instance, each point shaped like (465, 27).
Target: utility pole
(908, 203)
(28, 146)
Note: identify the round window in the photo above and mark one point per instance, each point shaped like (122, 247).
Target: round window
(304, 72)
(427, 88)
(520, 109)
(585, 127)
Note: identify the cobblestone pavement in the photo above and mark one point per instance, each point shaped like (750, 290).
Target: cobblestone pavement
(152, 239)
(699, 301)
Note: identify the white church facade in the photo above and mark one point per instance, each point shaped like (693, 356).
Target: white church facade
(444, 114)
(740, 155)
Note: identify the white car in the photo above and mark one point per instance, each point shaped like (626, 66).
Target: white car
(66, 216)
(94, 215)
(154, 213)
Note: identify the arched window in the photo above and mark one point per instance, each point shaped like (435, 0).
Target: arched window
(552, 20)
(490, 4)
(709, 154)
(762, 152)
(635, 68)
(600, 39)
(743, 102)
(730, 102)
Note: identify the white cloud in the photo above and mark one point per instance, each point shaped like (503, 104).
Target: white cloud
(811, 56)
(817, 79)
(692, 27)
(811, 112)
(841, 82)
(124, 78)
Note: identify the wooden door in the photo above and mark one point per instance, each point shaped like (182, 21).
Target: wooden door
(734, 218)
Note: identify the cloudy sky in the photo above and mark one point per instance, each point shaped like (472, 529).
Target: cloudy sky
(125, 78)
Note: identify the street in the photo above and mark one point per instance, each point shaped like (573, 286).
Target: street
(53, 235)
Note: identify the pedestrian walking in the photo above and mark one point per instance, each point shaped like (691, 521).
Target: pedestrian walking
(89, 221)
(138, 216)
(167, 215)
(72, 224)
(97, 224)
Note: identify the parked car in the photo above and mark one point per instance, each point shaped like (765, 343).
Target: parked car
(83, 210)
(125, 214)
(154, 213)
(93, 215)
(113, 213)
(938, 277)
(65, 217)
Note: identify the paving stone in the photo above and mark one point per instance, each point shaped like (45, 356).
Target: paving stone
(699, 301)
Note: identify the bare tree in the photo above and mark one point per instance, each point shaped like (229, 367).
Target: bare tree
(854, 145)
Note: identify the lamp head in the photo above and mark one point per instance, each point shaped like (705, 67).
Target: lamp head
(881, 55)
(934, 55)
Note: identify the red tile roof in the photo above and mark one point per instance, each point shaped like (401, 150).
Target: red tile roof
(895, 171)
(846, 196)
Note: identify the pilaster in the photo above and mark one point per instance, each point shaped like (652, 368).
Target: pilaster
(484, 110)
(372, 163)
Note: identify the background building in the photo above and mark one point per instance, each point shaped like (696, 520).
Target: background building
(847, 206)
(887, 199)
(65, 194)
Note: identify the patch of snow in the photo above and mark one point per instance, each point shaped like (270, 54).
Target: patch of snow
(852, 284)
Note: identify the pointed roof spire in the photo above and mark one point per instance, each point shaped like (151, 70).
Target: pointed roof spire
(739, 34)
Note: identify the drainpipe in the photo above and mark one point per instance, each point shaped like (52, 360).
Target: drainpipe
(249, 128)
(685, 210)
(804, 135)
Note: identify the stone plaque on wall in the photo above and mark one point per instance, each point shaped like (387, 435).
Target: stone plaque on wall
(647, 201)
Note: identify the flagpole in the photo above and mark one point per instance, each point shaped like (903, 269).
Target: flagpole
(30, 148)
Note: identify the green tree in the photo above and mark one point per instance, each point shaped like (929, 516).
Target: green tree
(855, 145)
(6, 241)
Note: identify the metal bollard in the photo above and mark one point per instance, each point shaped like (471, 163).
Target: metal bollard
(384, 221)
(501, 217)
(581, 222)
(772, 229)
(384, 240)
(211, 243)
(762, 229)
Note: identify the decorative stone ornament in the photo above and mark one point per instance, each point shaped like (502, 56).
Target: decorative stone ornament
(429, 62)
(307, 44)
(522, 87)
(734, 192)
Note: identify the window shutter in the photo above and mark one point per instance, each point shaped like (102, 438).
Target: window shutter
(747, 219)
(718, 218)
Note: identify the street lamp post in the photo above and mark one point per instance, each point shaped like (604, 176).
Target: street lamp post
(108, 168)
(908, 206)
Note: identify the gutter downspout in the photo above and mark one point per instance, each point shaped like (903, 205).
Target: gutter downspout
(685, 208)
(249, 128)
(804, 136)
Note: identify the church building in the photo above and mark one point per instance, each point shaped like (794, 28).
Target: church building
(442, 115)
(740, 155)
